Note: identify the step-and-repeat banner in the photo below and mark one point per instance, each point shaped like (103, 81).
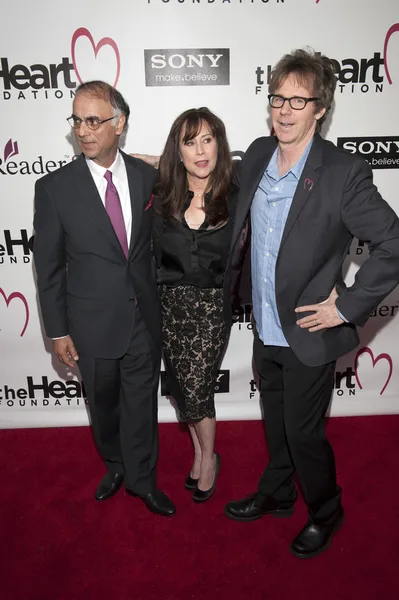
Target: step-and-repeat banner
(166, 56)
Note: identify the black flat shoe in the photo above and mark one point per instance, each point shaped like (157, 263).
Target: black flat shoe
(256, 506)
(314, 538)
(190, 483)
(202, 495)
(109, 485)
(157, 502)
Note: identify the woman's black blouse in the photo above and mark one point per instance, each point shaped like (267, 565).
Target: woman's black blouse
(187, 256)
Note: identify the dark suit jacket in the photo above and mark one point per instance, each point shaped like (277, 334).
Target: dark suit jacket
(335, 200)
(87, 287)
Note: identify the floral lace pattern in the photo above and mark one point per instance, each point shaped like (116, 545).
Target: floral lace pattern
(194, 338)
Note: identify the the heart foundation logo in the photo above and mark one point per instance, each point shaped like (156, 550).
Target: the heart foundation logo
(388, 36)
(19, 296)
(382, 356)
(106, 41)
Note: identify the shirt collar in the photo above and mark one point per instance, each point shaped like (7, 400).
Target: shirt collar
(296, 170)
(98, 171)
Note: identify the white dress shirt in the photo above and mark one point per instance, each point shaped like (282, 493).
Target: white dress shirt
(119, 179)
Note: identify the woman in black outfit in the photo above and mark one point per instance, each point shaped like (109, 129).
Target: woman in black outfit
(194, 206)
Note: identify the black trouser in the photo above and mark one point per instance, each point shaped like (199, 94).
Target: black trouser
(122, 397)
(295, 398)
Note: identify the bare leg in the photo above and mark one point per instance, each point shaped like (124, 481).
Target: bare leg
(196, 469)
(205, 431)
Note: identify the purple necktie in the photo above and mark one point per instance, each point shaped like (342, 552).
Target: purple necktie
(114, 210)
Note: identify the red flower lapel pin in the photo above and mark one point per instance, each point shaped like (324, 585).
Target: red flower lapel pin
(149, 202)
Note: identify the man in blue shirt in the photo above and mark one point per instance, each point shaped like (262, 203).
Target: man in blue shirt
(306, 200)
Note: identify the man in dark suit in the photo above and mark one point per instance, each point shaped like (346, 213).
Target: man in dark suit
(306, 200)
(97, 289)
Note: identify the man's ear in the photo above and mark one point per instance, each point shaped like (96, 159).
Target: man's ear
(320, 113)
(120, 124)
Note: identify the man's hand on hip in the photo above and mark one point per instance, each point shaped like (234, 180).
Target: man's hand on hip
(325, 314)
(66, 351)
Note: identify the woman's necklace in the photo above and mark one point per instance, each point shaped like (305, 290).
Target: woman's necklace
(194, 223)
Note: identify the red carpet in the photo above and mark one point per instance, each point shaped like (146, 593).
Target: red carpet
(57, 543)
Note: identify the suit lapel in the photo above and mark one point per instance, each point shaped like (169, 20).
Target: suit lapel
(306, 185)
(88, 191)
(136, 192)
(247, 191)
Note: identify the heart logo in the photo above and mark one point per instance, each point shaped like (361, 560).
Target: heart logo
(21, 297)
(388, 36)
(149, 202)
(308, 184)
(382, 356)
(83, 32)
(244, 235)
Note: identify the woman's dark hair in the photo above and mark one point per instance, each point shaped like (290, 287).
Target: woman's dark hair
(173, 176)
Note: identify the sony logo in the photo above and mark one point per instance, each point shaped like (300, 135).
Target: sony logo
(379, 152)
(187, 66)
(177, 60)
(372, 145)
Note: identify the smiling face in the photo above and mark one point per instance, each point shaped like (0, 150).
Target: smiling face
(294, 127)
(199, 155)
(101, 144)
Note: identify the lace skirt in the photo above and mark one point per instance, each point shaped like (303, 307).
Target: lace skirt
(195, 334)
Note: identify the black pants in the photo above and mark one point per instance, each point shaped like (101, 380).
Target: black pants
(295, 398)
(122, 398)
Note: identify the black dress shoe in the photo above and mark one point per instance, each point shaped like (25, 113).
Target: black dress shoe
(157, 502)
(202, 495)
(109, 485)
(190, 483)
(256, 506)
(314, 538)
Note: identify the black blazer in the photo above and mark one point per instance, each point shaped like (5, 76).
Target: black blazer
(335, 200)
(87, 287)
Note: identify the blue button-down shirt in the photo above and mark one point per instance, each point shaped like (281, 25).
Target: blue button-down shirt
(269, 213)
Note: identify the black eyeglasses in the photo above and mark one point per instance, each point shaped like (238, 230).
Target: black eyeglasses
(296, 102)
(91, 122)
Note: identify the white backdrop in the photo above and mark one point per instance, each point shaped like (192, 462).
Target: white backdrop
(166, 56)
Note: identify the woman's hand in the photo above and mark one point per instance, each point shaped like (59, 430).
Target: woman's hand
(150, 159)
